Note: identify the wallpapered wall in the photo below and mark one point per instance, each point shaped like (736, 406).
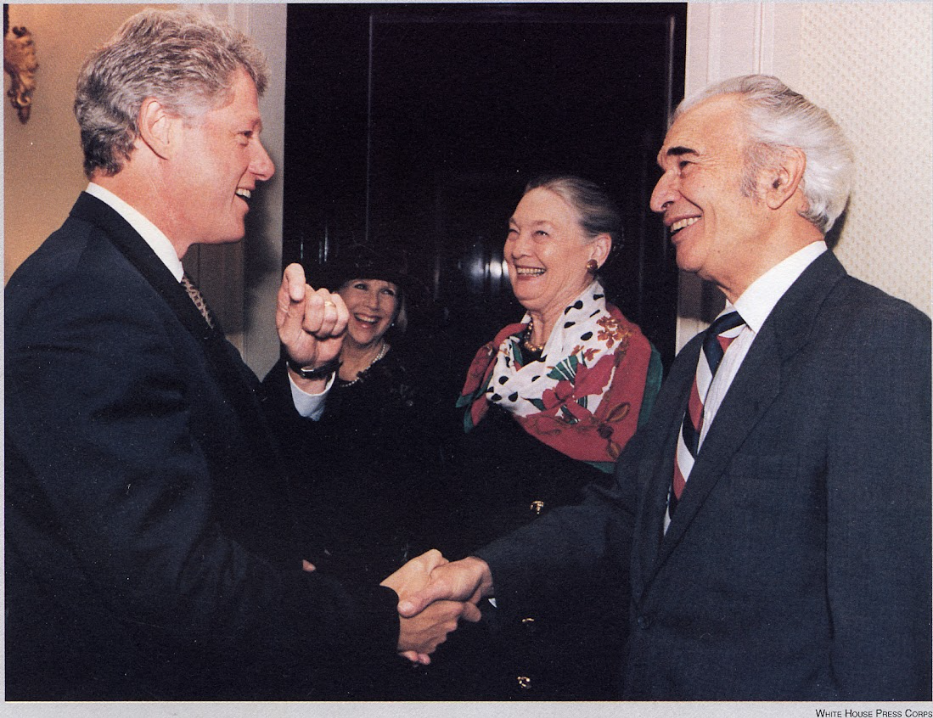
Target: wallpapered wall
(870, 65)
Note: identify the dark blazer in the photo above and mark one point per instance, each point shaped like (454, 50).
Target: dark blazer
(149, 550)
(797, 564)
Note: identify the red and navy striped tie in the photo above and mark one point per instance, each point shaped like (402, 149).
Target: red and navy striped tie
(715, 342)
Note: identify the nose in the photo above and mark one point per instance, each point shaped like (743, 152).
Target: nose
(261, 165)
(664, 194)
(516, 245)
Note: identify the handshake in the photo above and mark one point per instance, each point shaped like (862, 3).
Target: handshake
(434, 594)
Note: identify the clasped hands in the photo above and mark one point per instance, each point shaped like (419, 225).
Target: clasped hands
(434, 594)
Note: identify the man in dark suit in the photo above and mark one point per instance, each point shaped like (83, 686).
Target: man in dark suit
(772, 520)
(149, 550)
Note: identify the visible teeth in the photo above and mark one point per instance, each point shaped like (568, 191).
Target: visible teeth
(681, 223)
(245, 193)
(529, 271)
(367, 320)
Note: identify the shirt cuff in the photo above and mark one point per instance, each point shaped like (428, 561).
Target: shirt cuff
(310, 406)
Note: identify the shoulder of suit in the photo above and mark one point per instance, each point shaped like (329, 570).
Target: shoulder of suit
(857, 297)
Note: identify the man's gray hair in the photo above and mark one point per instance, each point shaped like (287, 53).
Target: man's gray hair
(183, 58)
(779, 118)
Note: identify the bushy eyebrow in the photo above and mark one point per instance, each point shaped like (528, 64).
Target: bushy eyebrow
(679, 150)
(675, 151)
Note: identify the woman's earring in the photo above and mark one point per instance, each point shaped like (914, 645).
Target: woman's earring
(591, 266)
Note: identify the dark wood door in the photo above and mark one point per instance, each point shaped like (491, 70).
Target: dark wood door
(418, 126)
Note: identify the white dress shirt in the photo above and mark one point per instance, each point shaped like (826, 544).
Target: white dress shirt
(153, 236)
(310, 406)
(754, 306)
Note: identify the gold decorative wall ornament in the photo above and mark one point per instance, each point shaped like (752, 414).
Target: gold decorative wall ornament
(19, 61)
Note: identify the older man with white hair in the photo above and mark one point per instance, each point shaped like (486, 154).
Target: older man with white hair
(772, 520)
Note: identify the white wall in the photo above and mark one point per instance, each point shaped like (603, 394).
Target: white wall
(246, 276)
(870, 66)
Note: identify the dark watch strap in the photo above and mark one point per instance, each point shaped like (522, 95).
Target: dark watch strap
(322, 372)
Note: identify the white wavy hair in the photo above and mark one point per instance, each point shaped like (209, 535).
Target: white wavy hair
(779, 118)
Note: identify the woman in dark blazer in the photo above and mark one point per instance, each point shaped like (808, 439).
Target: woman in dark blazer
(547, 406)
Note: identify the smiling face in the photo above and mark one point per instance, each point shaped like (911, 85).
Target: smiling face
(218, 162)
(372, 304)
(546, 251)
(715, 228)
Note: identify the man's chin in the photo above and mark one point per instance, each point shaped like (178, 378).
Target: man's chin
(231, 237)
(684, 260)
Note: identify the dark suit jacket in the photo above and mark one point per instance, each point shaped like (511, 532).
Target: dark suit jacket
(148, 534)
(797, 565)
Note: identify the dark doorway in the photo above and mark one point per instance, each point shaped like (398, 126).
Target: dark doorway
(418, 125)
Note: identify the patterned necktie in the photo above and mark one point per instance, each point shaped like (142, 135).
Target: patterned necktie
(198, 300)
(715, 342)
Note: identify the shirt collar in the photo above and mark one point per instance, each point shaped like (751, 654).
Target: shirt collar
(760, 298)
(152, 235)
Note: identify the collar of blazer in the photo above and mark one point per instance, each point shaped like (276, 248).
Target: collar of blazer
(146, 262)
(753, 390)
(239, 383)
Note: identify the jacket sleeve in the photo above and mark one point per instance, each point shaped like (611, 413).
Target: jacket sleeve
(587, 546)
(572, 550)
(119, 476)
(878, 508)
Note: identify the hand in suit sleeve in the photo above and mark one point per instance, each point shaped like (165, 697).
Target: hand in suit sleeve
(127, 453)
(466, 580)
(438, 611)
(311, 324)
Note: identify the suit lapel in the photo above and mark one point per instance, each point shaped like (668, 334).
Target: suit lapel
(755, 387)
(753, 390)
(140, 255)
(656, 463)
(237, 381)
(655, 509)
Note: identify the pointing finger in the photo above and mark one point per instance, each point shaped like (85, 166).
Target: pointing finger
(295, 282)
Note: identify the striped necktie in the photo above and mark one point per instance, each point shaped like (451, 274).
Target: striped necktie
(715, 342)
(198, 300)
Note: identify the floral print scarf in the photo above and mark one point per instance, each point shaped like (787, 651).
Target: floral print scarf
(584, 394)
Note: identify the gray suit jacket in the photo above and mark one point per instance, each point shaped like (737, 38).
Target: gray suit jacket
(797, 565)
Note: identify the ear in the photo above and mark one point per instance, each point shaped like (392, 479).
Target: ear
(158, 128)
(600, 248)
(781, 180)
